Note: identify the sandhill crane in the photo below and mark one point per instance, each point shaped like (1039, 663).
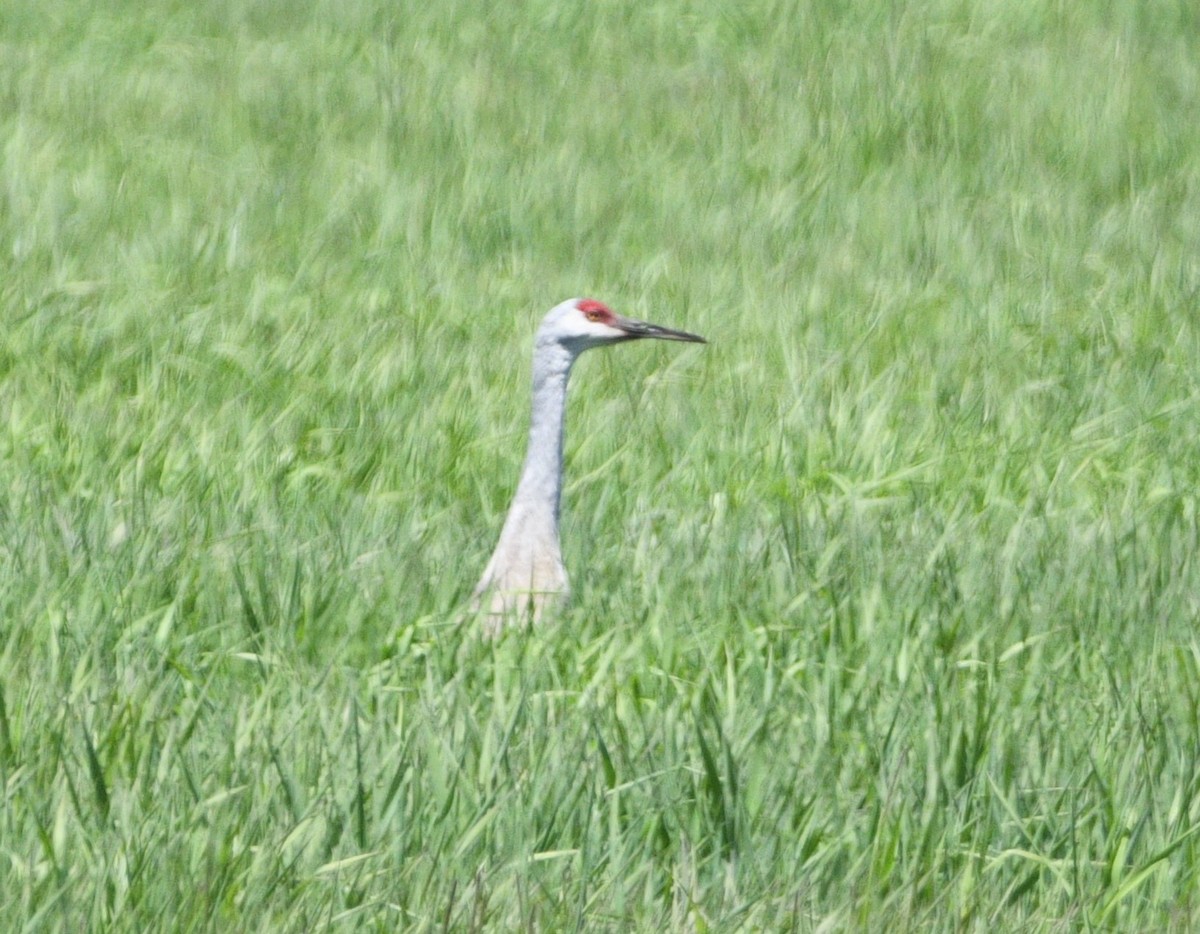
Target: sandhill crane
(526, 576)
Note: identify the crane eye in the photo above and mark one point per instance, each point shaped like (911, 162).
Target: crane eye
(595, 311)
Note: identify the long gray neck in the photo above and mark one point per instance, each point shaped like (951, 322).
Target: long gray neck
(540, 488)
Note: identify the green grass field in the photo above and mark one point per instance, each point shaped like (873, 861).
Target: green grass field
(886, 601)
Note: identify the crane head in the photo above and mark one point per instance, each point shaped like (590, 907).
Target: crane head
(581, 323)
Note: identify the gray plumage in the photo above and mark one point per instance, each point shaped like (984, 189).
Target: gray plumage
(525, 577)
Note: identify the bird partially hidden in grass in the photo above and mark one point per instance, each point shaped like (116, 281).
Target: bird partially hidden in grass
(525, 577)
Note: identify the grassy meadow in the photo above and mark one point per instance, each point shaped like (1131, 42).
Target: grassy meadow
(885, 601)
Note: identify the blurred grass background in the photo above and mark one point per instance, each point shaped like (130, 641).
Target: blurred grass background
(885, 601)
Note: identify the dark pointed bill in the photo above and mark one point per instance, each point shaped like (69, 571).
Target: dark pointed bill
(638, 329)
